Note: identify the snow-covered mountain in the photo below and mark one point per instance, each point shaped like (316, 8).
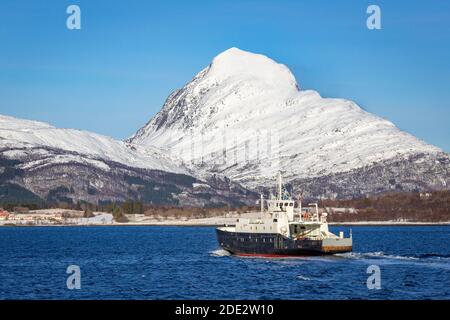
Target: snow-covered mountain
(21, 138)
(243, 117)
(246, 117)
(39, 161)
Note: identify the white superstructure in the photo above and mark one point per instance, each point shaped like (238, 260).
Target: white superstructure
(287, 217)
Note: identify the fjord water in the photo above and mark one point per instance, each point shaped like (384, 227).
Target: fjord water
(147, 262)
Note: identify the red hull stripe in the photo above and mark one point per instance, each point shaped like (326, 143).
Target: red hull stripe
(268, 255)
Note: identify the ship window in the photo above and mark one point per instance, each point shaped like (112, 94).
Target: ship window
(286, 204)
(291, 204)
(264, 240)
(275, 220)
(281, 204)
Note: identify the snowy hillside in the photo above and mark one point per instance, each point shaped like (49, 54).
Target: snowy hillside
(20, 139)
(39, 162)
(245, 116)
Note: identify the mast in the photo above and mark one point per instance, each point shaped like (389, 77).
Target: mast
(262, 203)
(300, 197)
(279, 186)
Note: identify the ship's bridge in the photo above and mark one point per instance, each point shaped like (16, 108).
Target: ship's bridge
(281, 205)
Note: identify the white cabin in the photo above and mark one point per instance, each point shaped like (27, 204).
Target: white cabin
(288, 218)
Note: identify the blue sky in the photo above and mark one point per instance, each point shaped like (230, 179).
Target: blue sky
(114, 74)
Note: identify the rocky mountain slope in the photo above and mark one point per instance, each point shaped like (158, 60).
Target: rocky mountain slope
(245, 116)
(228, 131)
(39, 162)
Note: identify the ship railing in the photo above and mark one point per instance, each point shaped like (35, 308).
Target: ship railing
(306, 218)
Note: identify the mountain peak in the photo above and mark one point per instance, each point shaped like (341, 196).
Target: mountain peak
(244, 102)
(237, 63)
(235, 55)
(233, 51)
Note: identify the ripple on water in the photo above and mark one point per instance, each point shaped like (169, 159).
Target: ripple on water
(186, 263)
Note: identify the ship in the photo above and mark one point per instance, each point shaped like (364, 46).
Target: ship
(283, 227)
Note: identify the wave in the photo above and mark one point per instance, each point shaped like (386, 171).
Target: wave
(375, 255)
(362, 255)
(303, 278)
(382, 255)
(433, 255)
(220, 253)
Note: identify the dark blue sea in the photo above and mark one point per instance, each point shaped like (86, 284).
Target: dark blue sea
(185, 263)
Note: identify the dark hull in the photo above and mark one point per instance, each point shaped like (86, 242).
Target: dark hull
(272, 244)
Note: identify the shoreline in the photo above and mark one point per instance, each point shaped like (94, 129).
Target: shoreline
(191, 223)
(46, 218)
(389, 223)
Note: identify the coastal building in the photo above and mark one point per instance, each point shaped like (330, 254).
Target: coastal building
(36, 218)
(4, 215)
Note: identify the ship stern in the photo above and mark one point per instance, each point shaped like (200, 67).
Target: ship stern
(337, 245)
